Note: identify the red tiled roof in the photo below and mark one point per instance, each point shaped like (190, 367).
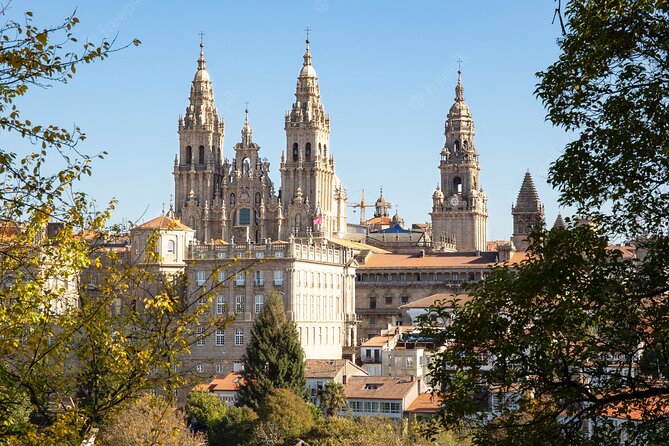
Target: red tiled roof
(446, 299)
(229, 383)
(389, 387)
(327, 368)
(164, 222)
(425, 403)
(377, 341)
(455, 259)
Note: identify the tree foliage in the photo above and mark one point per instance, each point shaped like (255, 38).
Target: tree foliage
(610, 86)
(274, 358)
(333, 398)
(145, 422)
(72, 350)
(570, 345)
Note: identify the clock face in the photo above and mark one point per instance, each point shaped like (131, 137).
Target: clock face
(455, 200)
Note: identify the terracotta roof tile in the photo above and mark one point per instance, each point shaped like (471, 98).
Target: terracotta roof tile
(229, 383)
(444, 298)
(164, 222)
(327, 368)
(379, 387)
(425, 403)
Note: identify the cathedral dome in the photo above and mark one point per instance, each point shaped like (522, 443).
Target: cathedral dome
(308, 71)
(202, 75)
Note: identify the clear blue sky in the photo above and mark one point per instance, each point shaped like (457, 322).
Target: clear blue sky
(387, 72)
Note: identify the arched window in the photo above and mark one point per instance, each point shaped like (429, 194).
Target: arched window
(296, 152)
(320, 149)
(457, 185)
(246, 166)
(191, 222)
(456, 146)
(245, 216)
(257, 199)
(189, 155)
(257, 235)
(233, 200)
(201, 155)
(307, 152)
(171, 246)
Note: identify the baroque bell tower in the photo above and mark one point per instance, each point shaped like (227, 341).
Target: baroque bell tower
(459, 208)
(312, 194)
(198, 167)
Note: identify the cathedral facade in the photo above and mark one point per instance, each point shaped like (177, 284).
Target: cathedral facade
(235, 200)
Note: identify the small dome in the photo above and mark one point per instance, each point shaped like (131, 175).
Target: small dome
(202, 75)
(308, 71)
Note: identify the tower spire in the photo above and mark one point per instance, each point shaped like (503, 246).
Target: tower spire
(459, 89)
(307, 53)
(247, 132)
(201, 62)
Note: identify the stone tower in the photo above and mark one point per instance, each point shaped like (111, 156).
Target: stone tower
(248, 204)
(313, 197)
(528, 213)
(459, 207)
(198, 168)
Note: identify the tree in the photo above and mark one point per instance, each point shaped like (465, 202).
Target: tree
(274, 358)
(205, 408)
(333, 399)
(283, 416)
(148, 421)
(71, 352)
(565, 329)
(236, 427)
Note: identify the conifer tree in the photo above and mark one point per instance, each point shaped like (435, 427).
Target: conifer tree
(274, 358)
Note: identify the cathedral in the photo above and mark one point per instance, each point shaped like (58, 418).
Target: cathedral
(236, 200)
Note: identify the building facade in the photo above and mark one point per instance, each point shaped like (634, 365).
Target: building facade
(316, 282)
(235, 200)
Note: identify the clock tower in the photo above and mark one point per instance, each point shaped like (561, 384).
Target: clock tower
(459, 205)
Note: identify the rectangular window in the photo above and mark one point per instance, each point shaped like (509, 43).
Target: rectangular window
(240, 278)
(368, 354)
(199, 368)
(245, 216)
(405, 300)
(356, 406)
(240, 304)
(220, 337)
(372, 302)
(201, 301)
(409, 362)
(259, 278)
(398, 362)
(278, 254)
(220, 304)
(389, 299)
(260, 301)
(201, 278)
(278, 277)
(200, 336)
(372, 321)
(394, 407)
(403, 277)
(260, 255)
(371, 406)
(219, 368)
(239, 337)
(221, 277)
(385, 407)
